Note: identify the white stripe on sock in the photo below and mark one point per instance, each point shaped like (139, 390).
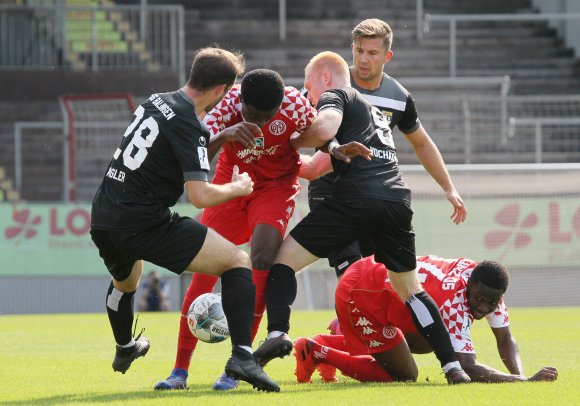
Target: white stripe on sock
(114, 299)
(420, 311)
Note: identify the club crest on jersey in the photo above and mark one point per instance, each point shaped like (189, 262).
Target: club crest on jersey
(388, 116)
(389, 332)
(259, 142)
(202, 141)
(277, 127)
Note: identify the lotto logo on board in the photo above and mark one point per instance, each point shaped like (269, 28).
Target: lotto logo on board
(64, 224)
(542, 231)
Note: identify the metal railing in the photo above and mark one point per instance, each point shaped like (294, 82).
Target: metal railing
(538, 124)
(454, 19)
(98, 38)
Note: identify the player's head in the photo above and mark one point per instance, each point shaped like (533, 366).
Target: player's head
(215, 70)
(371, 48)
(262, 91)
(326, 70)
(486, 286)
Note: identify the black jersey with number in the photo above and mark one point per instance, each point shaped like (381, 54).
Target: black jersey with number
(164, 146)
(398, 107)
(378, 178)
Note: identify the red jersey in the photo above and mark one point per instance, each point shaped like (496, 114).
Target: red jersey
(446, 282)
(272, 157)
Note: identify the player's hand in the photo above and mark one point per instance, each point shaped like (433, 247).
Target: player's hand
(350, 150)
(243, 133)
(545, 374)
(242, 181)
(459, 211)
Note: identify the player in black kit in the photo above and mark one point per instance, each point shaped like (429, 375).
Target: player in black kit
(369, 199)
(371, 50)
(165, 146)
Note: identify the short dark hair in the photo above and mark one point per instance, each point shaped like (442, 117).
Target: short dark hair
(263, 89)
(215, 66)
(490, 273)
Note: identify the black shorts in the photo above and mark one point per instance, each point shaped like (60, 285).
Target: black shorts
(171, 242)
(384, 225)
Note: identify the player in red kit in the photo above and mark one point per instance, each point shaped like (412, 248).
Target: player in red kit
(378, 333)
(253, 123)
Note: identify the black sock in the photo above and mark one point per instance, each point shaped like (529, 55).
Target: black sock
(238, 301)
(280, 294)
(120, 311)
(429, 323)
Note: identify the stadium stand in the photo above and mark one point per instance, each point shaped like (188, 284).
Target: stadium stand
(468, 118)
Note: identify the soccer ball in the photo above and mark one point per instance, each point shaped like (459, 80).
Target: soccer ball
(206, 318)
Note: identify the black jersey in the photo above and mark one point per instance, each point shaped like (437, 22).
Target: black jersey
(164, 146)
(398, 108)
(379, 178)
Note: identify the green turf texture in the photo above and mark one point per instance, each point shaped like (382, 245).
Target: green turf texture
(66, 359)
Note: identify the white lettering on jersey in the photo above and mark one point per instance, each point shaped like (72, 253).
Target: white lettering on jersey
(116, 174)
(388, 155)
(203, 158)
(162, 107)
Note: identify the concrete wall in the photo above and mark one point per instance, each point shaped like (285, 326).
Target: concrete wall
(567, 29)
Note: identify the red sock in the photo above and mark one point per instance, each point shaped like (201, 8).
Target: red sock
(260, 278)
(363, 368)
(186, 341)
(333, 341)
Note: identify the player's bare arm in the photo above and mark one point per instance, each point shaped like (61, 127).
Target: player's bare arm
(243, 133)
(320, 164)
(314, 166)
(482, 373)
(430, 157)
(346, 152)
(322, 130)
(508, 350)
(203, 194)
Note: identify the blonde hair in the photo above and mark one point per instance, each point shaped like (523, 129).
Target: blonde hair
(330, 61)
(374, 28)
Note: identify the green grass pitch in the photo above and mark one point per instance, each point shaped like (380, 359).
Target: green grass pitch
(66, 360)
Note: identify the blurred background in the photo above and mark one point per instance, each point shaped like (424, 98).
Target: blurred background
(496, 84)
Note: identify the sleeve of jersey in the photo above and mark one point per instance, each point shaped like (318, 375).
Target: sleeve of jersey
(190, 148)
(300, 108)
(499, 317)
(216, 120)
(410, 120)
(331, 100)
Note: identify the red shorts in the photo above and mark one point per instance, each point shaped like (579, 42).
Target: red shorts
(372, 317)
(270, 203)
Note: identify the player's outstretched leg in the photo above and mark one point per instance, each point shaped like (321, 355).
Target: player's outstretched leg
(243, 366)
(125, 356)
(225, 382)
(305, 363)
(274, 347)
(177, 380)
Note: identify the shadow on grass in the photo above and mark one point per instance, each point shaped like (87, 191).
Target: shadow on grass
(195, 391)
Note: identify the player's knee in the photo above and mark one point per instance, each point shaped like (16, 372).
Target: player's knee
(262, 259)
(405, 375)
(242, 260)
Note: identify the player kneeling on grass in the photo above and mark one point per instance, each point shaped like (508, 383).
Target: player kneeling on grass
(378, 333)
